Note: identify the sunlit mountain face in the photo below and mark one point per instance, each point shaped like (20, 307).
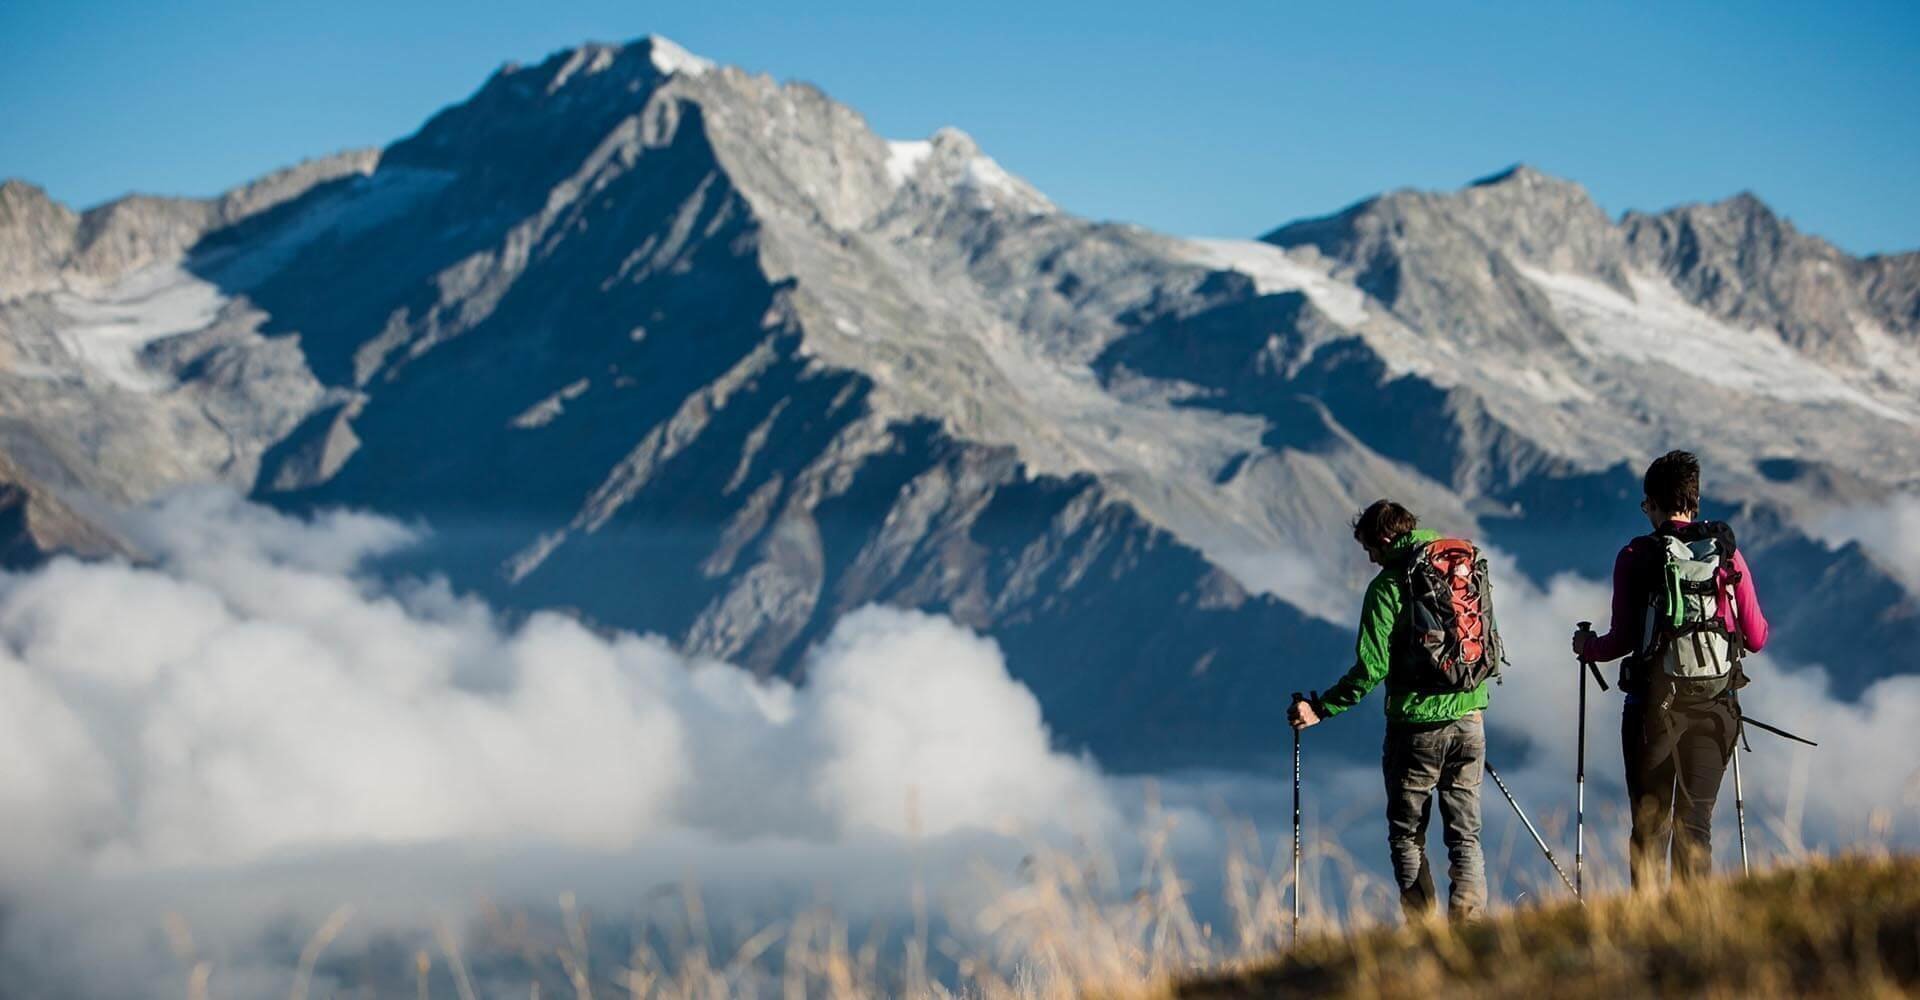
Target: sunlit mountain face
(679, 349)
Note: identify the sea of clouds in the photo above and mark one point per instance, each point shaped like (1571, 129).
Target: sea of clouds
(205, 754)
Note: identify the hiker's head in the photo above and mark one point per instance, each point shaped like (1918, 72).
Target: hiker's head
(1380, 525)
(1673, 488)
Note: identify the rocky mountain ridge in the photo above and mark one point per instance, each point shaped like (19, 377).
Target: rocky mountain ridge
(690, 350)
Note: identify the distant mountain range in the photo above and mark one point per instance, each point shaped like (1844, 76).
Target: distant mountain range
(695, 352)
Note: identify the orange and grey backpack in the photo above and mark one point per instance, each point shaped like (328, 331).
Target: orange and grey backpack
(1451, 640)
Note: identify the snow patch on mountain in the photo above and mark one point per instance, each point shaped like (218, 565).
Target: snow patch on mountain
(670, 58)
(1274, 270)
(991, 181)
(905, 157)
(952, 161)
(1657, 326)
(1893, 362)
(107, 325)
(111, 326)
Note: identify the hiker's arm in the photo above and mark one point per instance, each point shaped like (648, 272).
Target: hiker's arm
(1746, 606)
(1371, 650)
(1617, 643)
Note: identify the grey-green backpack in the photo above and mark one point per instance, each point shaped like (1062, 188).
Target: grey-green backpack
(1687, 646)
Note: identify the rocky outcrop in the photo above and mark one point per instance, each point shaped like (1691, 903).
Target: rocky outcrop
(37, 235)
(1444, 263)
(46, 246)
(1740, 261)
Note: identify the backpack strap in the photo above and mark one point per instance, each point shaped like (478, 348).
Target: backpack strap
(1723, 535)
(1407, 560)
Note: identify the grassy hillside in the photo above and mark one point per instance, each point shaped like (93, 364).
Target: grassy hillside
(1843, 928)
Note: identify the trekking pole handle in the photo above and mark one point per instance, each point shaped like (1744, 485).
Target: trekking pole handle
(1587, 628)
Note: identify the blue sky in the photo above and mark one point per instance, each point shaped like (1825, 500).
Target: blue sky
(1217, 119)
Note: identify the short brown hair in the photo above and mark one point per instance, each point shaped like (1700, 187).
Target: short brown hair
(1381, 523)
(1673, 482)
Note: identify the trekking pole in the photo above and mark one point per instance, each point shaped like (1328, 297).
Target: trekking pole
(1580, 784)
(1748, 720)
(1517, 811)
(1740, 801)
(1296, 823)
(1580, 773)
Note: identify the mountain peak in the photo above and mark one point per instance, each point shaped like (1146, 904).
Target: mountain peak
(1529, 183)
(1741, 216)
(951, 160)
(661, 55)
(954, 142)
(1741, 261)
(1750, 206)
(1743, 206)
(15, 191)
(1519, 173)
(36, 235)
(1519, 208)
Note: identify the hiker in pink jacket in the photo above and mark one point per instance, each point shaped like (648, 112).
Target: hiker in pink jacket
(1682, 639)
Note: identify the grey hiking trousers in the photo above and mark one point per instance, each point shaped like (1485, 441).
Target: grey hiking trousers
(1419, 761)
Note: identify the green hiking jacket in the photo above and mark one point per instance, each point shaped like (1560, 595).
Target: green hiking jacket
(1373, 659)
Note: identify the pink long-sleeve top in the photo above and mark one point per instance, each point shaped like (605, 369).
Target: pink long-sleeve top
(1742, 613)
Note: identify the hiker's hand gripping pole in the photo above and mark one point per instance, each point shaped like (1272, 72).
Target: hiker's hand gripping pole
(1580, 776)
(1586, 629)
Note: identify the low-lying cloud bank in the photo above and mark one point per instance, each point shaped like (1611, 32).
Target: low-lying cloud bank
(250, 700)
(249, 696)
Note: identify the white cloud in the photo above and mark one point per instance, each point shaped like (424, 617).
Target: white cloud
(1889, 532)
(249, 702)
(1292, 577)
(907, 706)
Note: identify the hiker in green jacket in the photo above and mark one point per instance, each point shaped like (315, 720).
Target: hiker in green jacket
(1436, 677)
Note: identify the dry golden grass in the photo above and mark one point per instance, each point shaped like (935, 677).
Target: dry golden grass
(1848, 927)
(1070, 925)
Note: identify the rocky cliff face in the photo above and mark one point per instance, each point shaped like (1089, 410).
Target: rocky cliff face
(35, 525)
(692, 351)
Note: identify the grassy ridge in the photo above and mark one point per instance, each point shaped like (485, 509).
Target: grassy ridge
(1841, 928)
